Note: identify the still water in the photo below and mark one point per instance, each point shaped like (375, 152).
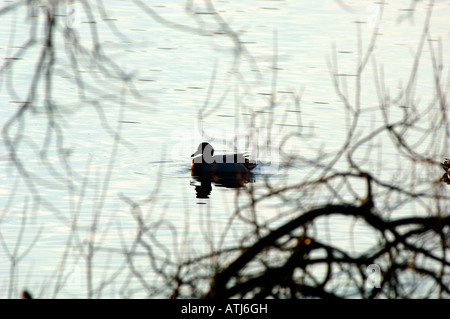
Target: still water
(190, 82)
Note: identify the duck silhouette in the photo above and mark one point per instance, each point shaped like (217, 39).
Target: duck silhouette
(204, 162)
(229, 170)
(446, 166)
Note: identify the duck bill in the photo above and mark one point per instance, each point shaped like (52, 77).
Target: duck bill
(197, 152)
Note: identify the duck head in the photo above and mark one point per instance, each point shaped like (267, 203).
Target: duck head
(206, 150)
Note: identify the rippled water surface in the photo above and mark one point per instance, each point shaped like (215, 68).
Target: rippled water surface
(179, 74)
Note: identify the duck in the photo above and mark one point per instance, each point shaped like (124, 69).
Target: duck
(204, 162)
(446, 167)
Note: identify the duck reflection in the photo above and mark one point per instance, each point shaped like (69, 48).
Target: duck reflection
(203, 183)
(230, 171)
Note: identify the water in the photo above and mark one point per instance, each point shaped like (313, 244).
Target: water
(181, 73)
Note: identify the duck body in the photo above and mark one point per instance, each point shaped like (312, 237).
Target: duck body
(205, 162)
